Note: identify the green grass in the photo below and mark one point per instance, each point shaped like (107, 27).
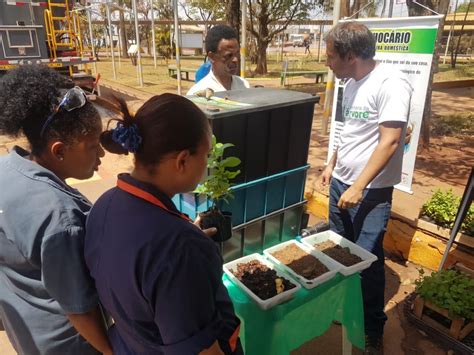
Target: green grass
(453, 124)
(461, 72)
(157, 80)
(295, 62)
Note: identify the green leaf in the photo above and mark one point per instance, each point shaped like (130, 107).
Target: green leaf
(232, 174)
(230, 162)
(227, 145)
(217, 184)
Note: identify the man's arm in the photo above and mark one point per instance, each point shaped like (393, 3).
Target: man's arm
(327, 173)
(390, 135)
(92, 327)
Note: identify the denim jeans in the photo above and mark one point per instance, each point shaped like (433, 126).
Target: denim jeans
(365, 225)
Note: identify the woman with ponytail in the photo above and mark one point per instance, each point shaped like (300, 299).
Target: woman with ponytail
(157, 274)
(48, 302)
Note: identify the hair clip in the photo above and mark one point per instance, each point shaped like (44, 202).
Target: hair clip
(127, 136)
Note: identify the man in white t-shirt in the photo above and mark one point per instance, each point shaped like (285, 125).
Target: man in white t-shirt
(367, 162)
(222, 47)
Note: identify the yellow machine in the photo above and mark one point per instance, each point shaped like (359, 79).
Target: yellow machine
(44, 32)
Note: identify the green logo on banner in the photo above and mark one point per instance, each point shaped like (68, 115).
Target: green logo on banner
(417, 40)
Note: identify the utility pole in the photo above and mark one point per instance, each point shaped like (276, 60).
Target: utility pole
(390, 9)
(111, 41)
(330, 82)
(137, 39)
(321, 27)
(91, 36)
(451, 28)
(153, 32)
(243, 10)
(177, 41)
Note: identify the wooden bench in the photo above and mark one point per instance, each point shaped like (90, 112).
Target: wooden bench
(173, 71)
(320, 75)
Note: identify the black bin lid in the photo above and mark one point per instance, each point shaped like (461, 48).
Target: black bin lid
(251, 100)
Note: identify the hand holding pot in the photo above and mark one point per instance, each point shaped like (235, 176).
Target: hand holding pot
(209, 231)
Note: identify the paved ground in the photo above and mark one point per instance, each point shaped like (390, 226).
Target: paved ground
(401, 338)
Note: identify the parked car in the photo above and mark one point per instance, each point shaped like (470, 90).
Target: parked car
(297, 40)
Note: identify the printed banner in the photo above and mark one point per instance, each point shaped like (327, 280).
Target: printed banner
(408, 44)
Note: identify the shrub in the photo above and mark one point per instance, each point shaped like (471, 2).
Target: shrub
(442, 209)
(453, 124)
(217, 184)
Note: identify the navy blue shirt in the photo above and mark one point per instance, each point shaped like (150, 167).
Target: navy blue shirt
(43, 274)
(158, 276)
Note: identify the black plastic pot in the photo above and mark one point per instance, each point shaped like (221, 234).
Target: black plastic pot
(221, 220)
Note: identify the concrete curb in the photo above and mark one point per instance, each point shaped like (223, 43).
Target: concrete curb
(453, 84)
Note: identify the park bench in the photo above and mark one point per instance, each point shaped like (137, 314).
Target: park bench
(320, 75)
(172, 71)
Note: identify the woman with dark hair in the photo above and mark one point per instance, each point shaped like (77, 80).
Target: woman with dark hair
(157, 274)
(48, 302)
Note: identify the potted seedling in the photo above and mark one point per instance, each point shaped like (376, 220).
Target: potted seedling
(216, 187)
(445, 299)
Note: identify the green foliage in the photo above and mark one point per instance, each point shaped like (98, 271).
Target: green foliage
(448, 289)
(464, 70)
(162, 39)
(268, 18)
(442, 209)
(463, 7)
(204, 10)
(217, 184)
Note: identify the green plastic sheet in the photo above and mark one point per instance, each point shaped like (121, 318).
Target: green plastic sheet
(307, 315)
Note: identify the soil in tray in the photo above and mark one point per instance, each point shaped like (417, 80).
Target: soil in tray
(301, 262)
(338, 253)
(261, 280)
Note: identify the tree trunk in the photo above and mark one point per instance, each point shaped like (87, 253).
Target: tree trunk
(453, 63)
(232, 13)
(147, 39)
(416, 10)
(345, 8)
(355, 7)
(123, 35)
(443, 8)
(261, 57)
(426, 122)
(384, 6)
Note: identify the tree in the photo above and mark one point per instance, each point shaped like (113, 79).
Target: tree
(232, 12)
(123, 30)
(367, 8)
(268, 18)
(100, 31)
(203, 10)
(440, 6)
(144, 9)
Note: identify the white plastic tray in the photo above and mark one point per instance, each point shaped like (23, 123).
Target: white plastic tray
(367, 257)
(270, 302)
(328, 262)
